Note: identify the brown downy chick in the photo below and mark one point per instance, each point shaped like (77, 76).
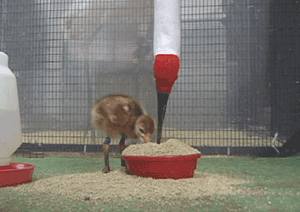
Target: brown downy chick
(122, 115)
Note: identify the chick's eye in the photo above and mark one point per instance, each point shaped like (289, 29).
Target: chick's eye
(141, 130)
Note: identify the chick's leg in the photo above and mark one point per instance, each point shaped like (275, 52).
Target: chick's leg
(122, 147)
(106, 149)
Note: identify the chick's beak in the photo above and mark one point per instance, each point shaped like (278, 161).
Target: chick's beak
(147, 138)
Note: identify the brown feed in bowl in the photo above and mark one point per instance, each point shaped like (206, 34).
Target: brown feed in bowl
(170, 147)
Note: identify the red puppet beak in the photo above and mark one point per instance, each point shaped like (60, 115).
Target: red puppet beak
(166, 69)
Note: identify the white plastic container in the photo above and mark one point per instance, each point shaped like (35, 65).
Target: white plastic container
(10, 122)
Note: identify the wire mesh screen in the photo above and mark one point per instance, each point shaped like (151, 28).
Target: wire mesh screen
(67, 54)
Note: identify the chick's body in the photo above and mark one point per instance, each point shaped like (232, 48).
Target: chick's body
(122, 115)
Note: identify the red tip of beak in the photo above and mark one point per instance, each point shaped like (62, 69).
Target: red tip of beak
(147, 138)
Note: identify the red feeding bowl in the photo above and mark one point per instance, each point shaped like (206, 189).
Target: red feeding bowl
(162, 167)
(15, 173)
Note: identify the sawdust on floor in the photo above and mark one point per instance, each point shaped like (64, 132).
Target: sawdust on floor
(117, 184)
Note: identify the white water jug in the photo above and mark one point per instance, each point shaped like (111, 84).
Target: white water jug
(10, 124)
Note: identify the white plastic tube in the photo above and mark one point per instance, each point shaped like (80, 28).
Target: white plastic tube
(166, 27)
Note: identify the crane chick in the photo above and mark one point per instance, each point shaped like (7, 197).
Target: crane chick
(121, 115)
